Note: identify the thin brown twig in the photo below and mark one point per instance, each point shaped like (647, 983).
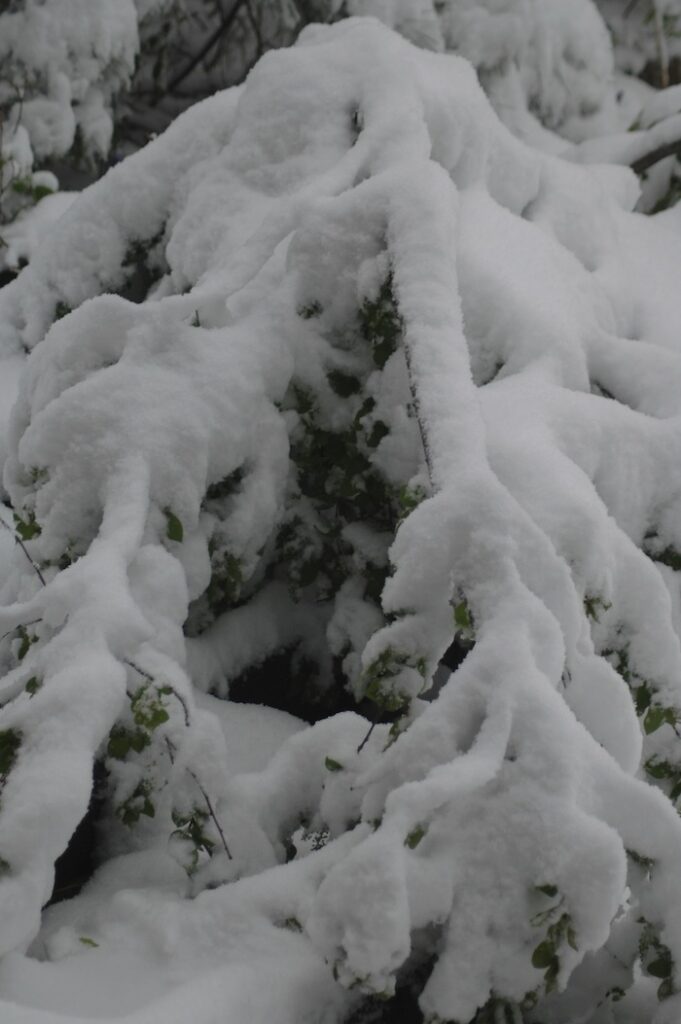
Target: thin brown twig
(22, 625)
(655, 155)
(212, 813)
(23, 547)
(223, 27)
(366, 738)
(204, 794)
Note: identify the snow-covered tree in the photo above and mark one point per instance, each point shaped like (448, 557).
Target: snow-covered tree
(80, 77)
(646, 36)
(334, 379)
(62, 62)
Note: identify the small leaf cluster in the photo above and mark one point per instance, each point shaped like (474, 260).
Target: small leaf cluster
(653, 712)
(656, 959)
(659, 769)
(26, 641)
(335, 481)
(137, 804)
(546, 956)
(143, 265)
(415, 836)
(227, 572)
(594, 604)
(380, 675)
(380, 323)
(226, 582)
(26, 527)
(148, 711)
(25, 187)
(191, 829)
(464, 623)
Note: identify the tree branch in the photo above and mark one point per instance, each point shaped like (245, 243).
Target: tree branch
(225, 24)
(655, 155)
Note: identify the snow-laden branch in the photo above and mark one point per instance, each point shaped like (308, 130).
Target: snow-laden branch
(399, 378)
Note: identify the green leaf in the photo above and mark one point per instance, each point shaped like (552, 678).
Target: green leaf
(669, 557)
(87, 941)
(344, 384)
(138, 803)
(332, 766)
(659, 769)
(415, 836)
(61, 310)
(661, 968)
(462, 616)
(33, 685)
(26, 641)
(547, 890)
(642, 693)
(544, 955)
(666, 989)
(174, 528)
(26, 528)
(22, 186)
(378, 432)
(122, 741)
(224, 488)
(656, 717)
(529, 1001)
(594, 604)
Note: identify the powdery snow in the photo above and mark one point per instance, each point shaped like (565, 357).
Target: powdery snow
(528, 409)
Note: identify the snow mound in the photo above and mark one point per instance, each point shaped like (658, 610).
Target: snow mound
(392, 378)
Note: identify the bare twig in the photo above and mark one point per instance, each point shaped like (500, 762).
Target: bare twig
(655, 155)
(23, 547)
(212, 813)
(22, 625)
(214, 37)
(661, 40)
(259, 46)
(204, 794)
(366, 738)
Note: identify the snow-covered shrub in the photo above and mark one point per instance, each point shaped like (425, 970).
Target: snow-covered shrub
(538, 60)
(390, 378)
(645, 34)
(61, 64)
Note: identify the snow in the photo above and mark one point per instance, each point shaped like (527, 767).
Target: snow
(134, 910)
(528, 404)
(24, 236)
(83, 50)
